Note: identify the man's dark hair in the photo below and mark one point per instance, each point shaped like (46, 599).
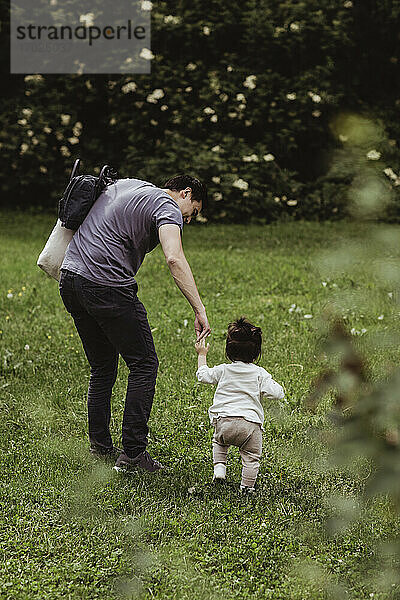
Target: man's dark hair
(180, 182)
(243, 341)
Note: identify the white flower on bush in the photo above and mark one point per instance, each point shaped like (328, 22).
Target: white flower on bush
(188, 89)
(250, 158)
(24, 148)
(348, 4)
(214, 119)
(229, 69)
(73, 140)
(171, 20)
(241, 106)
(113, 121)
(373, 155)
(291, 202)
(216, 148)
(158, 93)
(129, 87)
(65, 151)
(291, 96)
(206, 30)
(216, 179)
(232, 115)
(87, 20)
(224, 97)
(250, 82)
(240, 97)
(77, 129)
(208, 110)
(34, 78)
(294, 27)
(191, 67)
(43, 169)
(22, 122)
(147, 5)
(29, 133)
(240, 184)
(316, 98)
(164, 107)
(390, 173)
(155, 96)
(27, 112)
(65, 119)
(269, 157)
(146, 54)
(316, 113)
(278, 31)
(217, 196)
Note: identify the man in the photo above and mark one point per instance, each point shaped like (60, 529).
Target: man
(98, 288)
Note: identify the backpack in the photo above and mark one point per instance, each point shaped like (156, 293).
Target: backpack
(79, 197)
(81, 193)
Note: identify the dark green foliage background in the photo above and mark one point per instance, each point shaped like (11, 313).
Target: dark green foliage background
(346, 53)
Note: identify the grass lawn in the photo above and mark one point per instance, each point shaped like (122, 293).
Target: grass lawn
(72, 528)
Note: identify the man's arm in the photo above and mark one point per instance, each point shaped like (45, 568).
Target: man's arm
(171, 243)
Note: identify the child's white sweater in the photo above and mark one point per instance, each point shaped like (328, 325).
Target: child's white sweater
(240, 387)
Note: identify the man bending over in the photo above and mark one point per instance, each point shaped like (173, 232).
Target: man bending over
(99, 290)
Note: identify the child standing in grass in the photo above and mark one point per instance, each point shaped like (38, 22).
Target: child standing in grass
(237, 414)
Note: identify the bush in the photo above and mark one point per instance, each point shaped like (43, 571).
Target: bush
(243, 95)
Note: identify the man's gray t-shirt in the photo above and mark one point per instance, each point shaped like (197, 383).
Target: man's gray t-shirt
(121, 227)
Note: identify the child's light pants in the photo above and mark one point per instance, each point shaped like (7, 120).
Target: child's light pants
(247, 436)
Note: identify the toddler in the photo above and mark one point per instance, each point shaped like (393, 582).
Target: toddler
(236, 413)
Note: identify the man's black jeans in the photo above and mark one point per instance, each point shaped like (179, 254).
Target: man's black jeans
(112, 321)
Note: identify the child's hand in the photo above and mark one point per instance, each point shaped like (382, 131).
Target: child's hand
(201, 347)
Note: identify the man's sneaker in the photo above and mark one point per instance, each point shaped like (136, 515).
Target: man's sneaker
(105, 453)
(247, 491)
(143, 461)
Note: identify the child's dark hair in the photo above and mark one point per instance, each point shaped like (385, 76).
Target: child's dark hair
(243, 341)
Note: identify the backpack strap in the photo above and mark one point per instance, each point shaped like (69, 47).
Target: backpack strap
(75, 169)
(107, 176)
